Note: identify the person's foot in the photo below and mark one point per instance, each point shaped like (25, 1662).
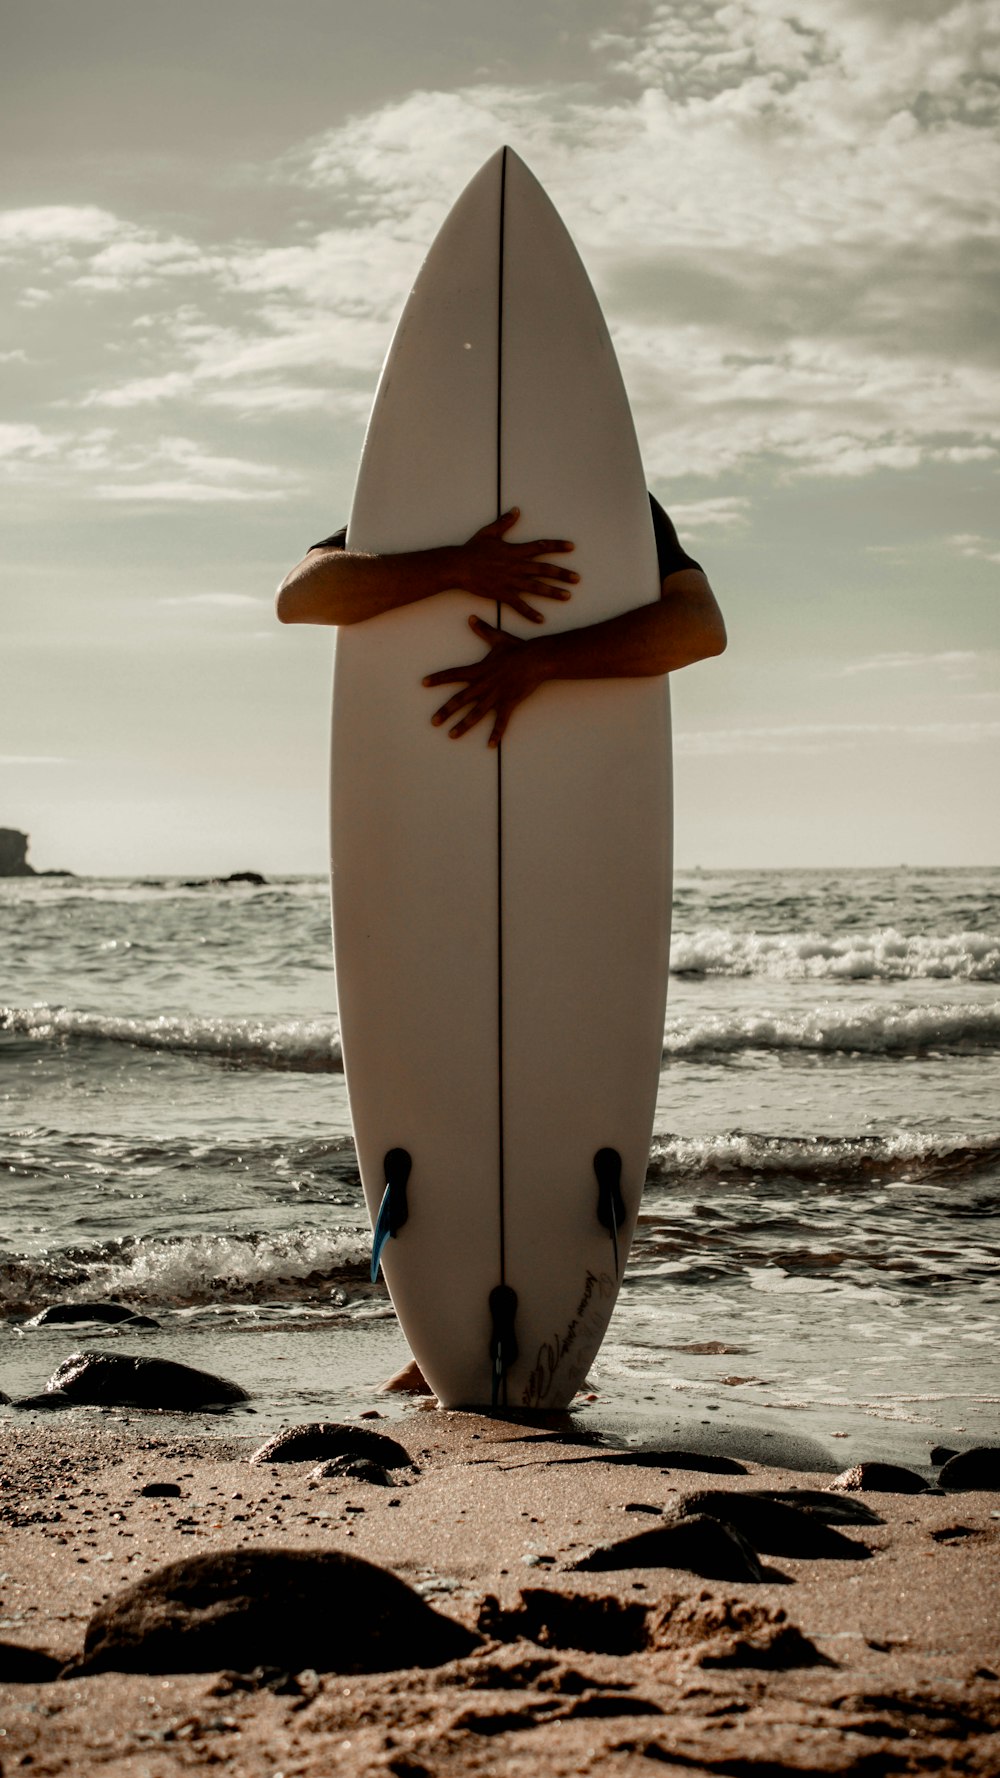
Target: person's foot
(409, 1381)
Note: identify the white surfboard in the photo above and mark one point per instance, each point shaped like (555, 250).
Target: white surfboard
(501, 917)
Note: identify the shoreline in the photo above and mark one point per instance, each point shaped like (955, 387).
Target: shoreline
(703, 1401)
(905, 1636)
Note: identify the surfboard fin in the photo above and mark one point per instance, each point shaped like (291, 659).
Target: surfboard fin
(503, 1340)
(394, 1209)
(610, 1204)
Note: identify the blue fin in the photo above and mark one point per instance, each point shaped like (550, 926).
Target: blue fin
(383, 1229)
(394, 1210)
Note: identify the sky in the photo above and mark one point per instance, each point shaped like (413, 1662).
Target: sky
(210, 216)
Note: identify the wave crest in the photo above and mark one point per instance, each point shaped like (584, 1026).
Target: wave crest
(906, 1156)
(884, 955)
(306, 1045)
(836, 1028)
(189, 1271)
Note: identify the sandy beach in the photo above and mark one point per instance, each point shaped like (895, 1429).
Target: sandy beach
(885, 1660)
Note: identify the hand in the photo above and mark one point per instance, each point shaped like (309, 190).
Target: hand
(506, 573)
(502, 679)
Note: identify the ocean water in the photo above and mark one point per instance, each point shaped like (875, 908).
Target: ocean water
(816, 1257)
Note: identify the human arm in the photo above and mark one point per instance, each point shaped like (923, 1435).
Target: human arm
(340, 586)
(683, 626)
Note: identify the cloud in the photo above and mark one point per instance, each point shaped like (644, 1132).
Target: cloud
(170, 468)
(723, 512)
(982, 549)
(788, 208)
(25, 442)
(819, 737)
(195, 476)
(178, 491)
(219, 601)
(34, 759)
(955, 663)
(56, 227)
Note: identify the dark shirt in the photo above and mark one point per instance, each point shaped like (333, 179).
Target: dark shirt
(669, 554)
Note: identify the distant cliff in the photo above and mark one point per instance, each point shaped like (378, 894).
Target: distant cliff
(14, 857)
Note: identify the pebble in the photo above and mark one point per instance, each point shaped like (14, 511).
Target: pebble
(978, 1468)
(70, 1312)
(322, 1439)
(699, 1544)
(774, 1525)
(880, 1478)
(20, 1665)
(358, 1469)
(117, 1379)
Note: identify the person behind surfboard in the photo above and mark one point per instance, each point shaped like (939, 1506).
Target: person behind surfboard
(335, 585)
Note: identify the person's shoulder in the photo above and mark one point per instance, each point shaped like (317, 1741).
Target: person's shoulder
(670, 553)
(337, 541)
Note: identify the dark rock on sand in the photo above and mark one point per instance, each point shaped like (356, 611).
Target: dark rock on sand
(773, 1525)
(116, 1379)
(27, 1666)
(880, 1478)
(833, 1510)
(941, 1453)
(698, 1543)
(4, 1398)
(45, 1403)
(292, 1609)
(978, 1468)
(161, 1491)
(70, 1312)
(322, 1439)
(357, 1469)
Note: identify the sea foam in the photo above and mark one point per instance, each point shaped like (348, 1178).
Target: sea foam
(191, 1270)
(306, 1045)
(867, 1027)
(834, 1027)
(882, 955)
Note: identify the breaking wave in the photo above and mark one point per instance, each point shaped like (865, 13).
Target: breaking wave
(834, 1028)
(188, 1271)
(304, 1045)
(905, 1156)
(313, 1045)
(884, 955)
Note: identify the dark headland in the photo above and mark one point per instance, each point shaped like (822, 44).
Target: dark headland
(14, 857)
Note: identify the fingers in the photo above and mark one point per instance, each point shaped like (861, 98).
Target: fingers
(568, 576)
(499, 527)
(500, 726)
(548, 546)
(468, 721)
(455, 703)
(487, 632)
(523, 609)
(536, 546)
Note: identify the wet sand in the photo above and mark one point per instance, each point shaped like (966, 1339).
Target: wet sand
(906, 1643)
